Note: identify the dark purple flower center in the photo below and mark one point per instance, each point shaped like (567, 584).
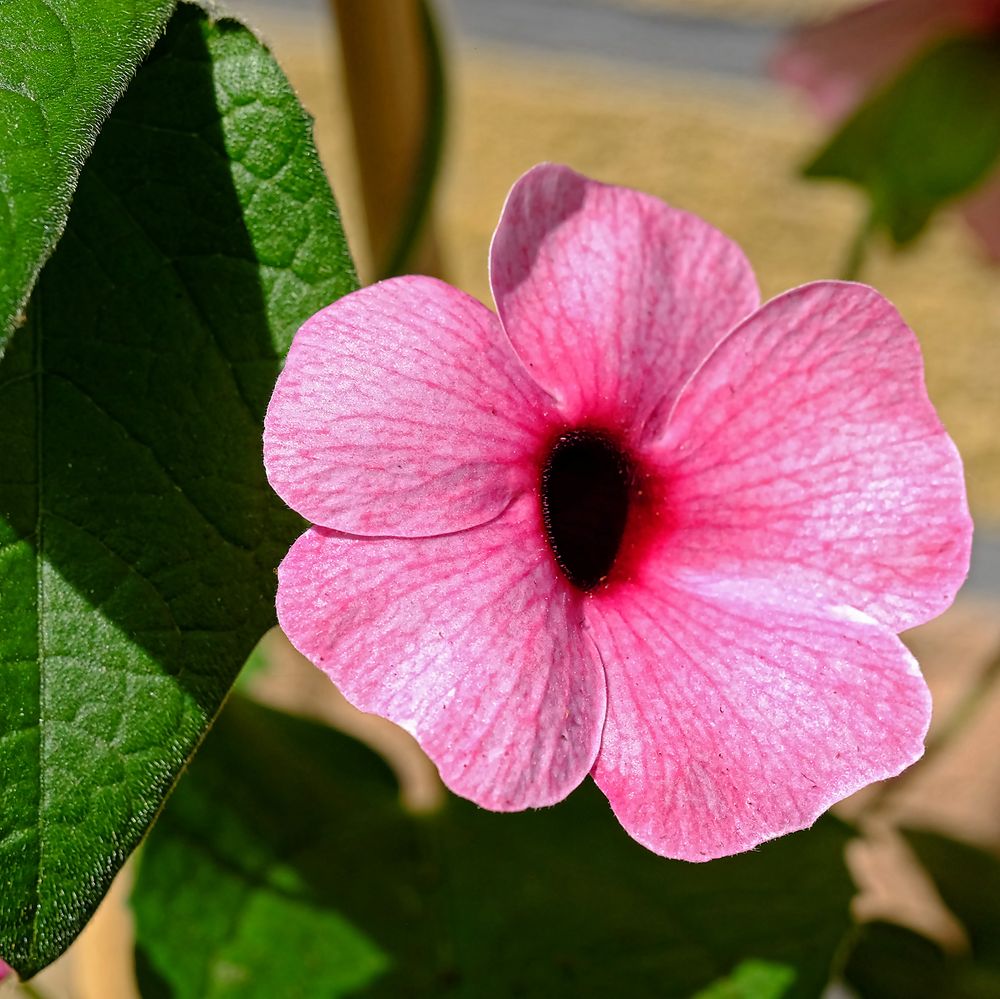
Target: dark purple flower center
(586, 484)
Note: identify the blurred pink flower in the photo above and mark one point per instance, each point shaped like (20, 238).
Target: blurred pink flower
(837, 63)
(633, 525)
(5, 970)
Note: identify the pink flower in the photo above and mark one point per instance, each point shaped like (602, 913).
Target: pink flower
(837, 63)
(5, 970)
(633, 526)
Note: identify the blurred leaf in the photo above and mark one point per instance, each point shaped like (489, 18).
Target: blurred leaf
(283, 830)
(138, 535)
(62, 67)
(975, 980)
(889, 961)
(752, 980)
(968, 879)
(927, 137)
(258, 662)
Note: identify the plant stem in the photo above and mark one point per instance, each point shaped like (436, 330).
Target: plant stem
(857, 252)
(394, 75)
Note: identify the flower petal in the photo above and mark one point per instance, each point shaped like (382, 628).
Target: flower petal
(838, 61)
(807, 452)
(402, 410)
(471, 642)
(732, 719)
(611, 297)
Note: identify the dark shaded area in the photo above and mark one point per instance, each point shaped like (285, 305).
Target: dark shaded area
(968, 878)
(586, 482)
(62, 66)
(278, 818)
(891, 960)
(888, 960)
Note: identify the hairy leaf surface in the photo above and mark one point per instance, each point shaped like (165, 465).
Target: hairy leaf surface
(63, 64)
(138, 535)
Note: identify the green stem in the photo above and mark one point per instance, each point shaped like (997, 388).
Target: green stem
(857, 252)
(29, 990)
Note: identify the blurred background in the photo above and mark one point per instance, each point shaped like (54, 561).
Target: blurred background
(672, 97)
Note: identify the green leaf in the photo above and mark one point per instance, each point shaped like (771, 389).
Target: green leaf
(975, 980)
(929, 136)
(138, 536)
(283, 864)
(968, 879)
(752, 980)
(63, 64)
(888, 961)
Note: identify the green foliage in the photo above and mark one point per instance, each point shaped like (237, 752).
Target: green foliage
(968, 879)
(63, 64)
(890, 960)
(752, 980)
(923, 140)
(283, 864)
(138, 536)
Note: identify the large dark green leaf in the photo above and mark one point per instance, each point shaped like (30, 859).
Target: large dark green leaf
(63, 64)
(929, 136)
(283, 865)
(138, 536)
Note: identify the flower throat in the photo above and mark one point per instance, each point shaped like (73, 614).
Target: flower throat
(586, 482)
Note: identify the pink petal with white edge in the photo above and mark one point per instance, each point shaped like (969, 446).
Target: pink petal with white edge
(733, 719)
(839, 61)
(470, 641)
(806, 452)
(402, 410)
(611, 297)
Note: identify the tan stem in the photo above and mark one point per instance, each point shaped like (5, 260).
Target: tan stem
(385, 60)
